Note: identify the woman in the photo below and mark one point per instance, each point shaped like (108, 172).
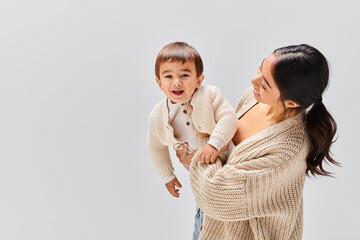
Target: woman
(284, 132)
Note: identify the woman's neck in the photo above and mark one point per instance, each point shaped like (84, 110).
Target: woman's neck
(276, 114)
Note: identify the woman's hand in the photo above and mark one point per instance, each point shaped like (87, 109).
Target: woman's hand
(184, 157)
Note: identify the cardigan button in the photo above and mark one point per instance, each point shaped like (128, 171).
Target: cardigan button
(184, 111)
(187, 123)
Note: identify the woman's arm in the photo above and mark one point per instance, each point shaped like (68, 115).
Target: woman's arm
(259, 187)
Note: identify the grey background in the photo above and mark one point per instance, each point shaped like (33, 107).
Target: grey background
(77, 85)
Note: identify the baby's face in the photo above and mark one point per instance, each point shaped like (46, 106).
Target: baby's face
(178, 81)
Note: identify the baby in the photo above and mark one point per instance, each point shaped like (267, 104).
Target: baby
(189, 109)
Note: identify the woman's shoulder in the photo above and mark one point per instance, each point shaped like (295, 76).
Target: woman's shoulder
(280, 144)
(294, 137)
(290, 145)
(290, 135)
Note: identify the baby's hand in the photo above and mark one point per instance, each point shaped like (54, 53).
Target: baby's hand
(171, 187)
(208, 154)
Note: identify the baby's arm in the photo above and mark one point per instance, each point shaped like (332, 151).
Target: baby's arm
(171, 187)
(162, 162)
(226, 124)
(208, 153)
(226, 120)
(159, 154)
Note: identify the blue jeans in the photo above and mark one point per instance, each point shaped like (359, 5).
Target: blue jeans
(198, 223)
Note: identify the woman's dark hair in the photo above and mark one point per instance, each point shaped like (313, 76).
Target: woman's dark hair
(301, 73)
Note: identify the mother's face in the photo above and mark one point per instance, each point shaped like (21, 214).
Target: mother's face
(265, 88)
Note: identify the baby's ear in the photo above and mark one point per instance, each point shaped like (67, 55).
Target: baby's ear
(158, 81)
(199, 80)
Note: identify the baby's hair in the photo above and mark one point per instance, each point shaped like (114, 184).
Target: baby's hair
(179, 52)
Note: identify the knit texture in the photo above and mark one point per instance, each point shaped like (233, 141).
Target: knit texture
(212, 114)
(257, 194)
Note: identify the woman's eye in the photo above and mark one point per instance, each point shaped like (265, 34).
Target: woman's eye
(263, 87)
(184, 75)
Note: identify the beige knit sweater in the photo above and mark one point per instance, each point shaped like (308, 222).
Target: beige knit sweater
(212, 114)
(258, 193)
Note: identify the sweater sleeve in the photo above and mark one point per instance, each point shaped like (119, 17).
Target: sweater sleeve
(159, 154)
(259, 187)
(226, 121)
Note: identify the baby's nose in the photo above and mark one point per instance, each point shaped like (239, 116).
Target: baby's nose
(177, 82)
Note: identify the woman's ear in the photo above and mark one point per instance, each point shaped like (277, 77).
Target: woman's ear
(199, 80)
(291, 104)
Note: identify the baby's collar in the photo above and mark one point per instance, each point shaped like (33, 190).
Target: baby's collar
(181, 104)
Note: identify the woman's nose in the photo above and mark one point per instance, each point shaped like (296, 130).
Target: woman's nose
(256, 80)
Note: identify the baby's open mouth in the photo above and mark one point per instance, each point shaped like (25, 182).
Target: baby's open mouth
(177, 92)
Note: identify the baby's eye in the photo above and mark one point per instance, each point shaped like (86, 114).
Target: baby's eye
(168, 76)
(184, 75)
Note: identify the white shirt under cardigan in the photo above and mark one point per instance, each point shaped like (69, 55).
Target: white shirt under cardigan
(172, 124)
(184, 131)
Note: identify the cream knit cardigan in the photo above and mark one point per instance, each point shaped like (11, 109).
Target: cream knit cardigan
(212, 114)
(257, 194)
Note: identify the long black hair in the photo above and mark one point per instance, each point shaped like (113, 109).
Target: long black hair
(301, 73)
